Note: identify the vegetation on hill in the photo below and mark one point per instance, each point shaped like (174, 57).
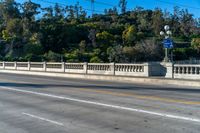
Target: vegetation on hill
(29, 32)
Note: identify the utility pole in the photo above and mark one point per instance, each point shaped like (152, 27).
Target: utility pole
(92, 7)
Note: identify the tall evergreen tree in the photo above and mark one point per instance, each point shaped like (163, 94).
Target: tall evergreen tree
(123, 5)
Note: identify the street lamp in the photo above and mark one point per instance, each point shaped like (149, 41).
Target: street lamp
(167, 41)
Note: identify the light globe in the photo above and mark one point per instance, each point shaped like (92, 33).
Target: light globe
(162, 33)
(166, 27)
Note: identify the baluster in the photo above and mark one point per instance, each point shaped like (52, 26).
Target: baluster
(183, 70)
(128, 68)
(199, 70)
(179, 69)
(95, 67)
(142, 68)
(120, 68)
(131, 68)
(191, 70)
(175, 69)
(187, 70)
(137, 69)
(196, 70)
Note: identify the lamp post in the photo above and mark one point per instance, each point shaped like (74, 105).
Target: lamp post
(167, 41)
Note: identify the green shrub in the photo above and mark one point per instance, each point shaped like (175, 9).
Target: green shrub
(95, 59)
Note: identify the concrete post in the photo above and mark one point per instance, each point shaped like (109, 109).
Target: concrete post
(15, 65)
(3, 64)
(44, 66)
(147, 72)
(112, 68)
(169, 70)
(29, 65)
(85, 67)
(63, 66)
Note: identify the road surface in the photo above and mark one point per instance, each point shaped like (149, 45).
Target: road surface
(33, 104)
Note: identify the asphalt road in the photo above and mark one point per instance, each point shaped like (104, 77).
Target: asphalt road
(33, 104)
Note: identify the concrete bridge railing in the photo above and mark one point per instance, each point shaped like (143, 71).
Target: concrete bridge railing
(167, 70)
(81, 68)
(186, 71)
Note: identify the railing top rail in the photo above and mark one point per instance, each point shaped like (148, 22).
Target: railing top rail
(54, 63)
(74, 63)
(21, 62)
(99, 64)
(9, 62)
(131, 64)
(187, 65)
(40, 63)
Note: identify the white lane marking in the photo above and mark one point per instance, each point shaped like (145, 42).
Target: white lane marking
(43, 119)
(166, 115)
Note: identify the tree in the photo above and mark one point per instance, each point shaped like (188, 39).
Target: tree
(129, 35)
(104, 39)
(30, 10)
(9, 9)
(175, 21)
(115, 54)
(187, 22)
(92, 37)
(30, 32)
(122, 5)
(82, 46)
(196, 44)
(157, 21)
(58, 11)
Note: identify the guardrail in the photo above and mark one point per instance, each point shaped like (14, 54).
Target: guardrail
(187, 71)
(82, 68)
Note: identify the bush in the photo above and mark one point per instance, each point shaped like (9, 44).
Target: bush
(35, 49)
(52, 57)
(32, 57)
(95, 59)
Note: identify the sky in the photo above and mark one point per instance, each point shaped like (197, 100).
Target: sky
(193, 6)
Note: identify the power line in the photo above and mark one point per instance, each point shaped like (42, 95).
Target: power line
(101, 3)
(177, 4)
(106, 4)
(64, 5)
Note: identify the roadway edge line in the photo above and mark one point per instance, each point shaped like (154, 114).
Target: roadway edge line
(43, 119)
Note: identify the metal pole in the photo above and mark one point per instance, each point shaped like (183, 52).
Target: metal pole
(166, 55)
